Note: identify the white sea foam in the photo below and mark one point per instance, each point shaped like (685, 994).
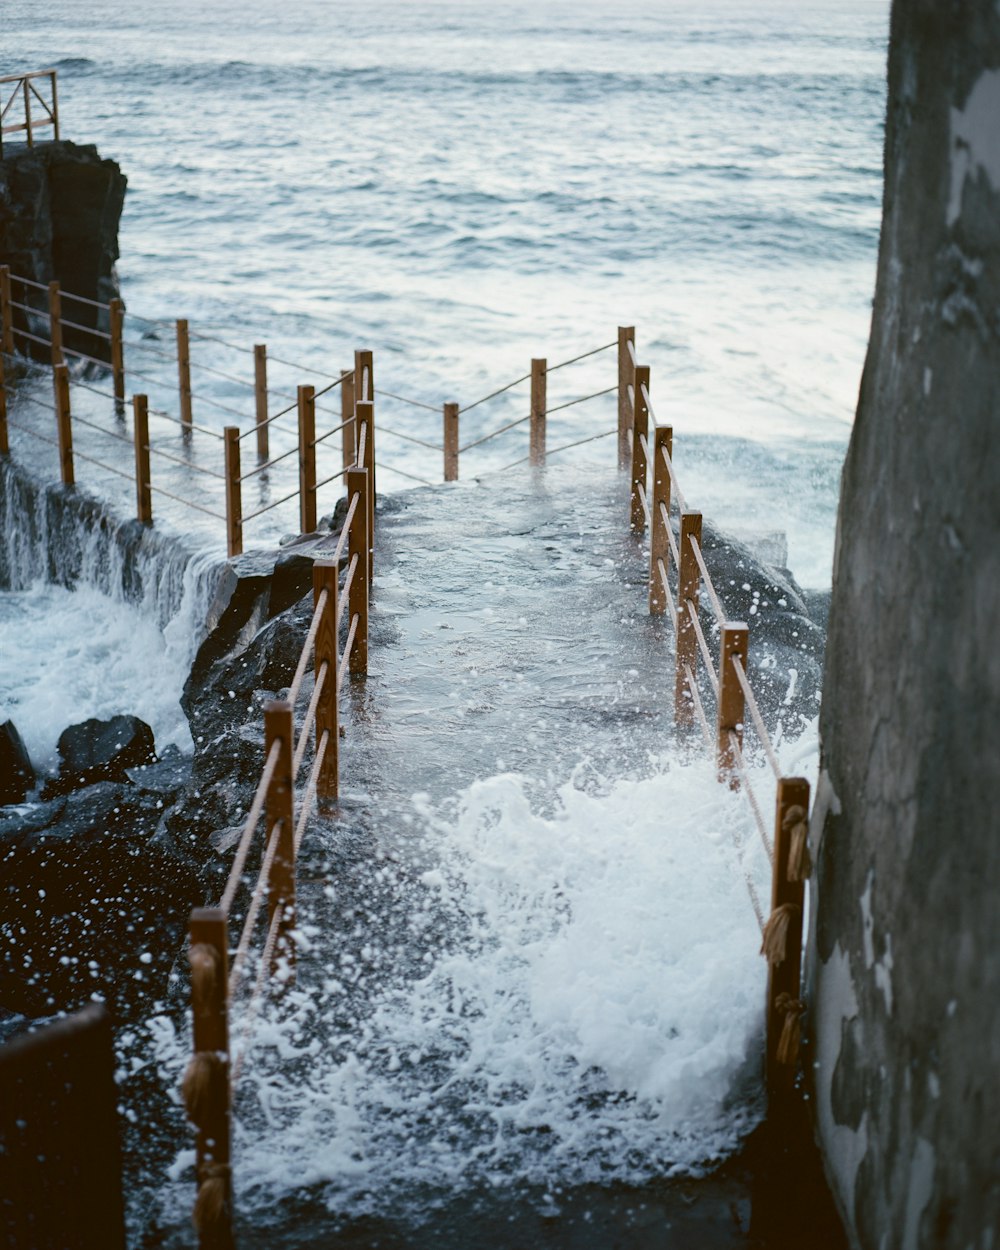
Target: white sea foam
(71, 654)
(588, 1008)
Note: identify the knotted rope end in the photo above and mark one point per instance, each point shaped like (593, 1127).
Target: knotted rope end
(775, 944)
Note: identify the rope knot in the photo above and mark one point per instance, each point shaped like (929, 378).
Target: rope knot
(775, 944)
(205, 1086)
(796, 823)
(791, 1030)
(213, 1198)
(205, 970)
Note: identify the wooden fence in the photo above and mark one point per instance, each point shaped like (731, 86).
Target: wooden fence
(19, 94)
(678, 580)
(213, 1074)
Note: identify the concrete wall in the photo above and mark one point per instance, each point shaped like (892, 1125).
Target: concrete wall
(905, 968)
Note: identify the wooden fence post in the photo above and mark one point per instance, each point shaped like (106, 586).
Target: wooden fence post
(365, 413)
(234, 493)
(116, 316)
(206, 1084)
(539, 379)
(347, 417)
(640, 432)
(60, 383)
(280, 807)
(626, 377)
(307, 458)
(27, 112)
(184, 373)
(733, 642)
(4, 440)
(451, 442)
(260, 397)
(6, 312)
(55, 106)
(687, 640)
(787, 898)
(357, 545)
(55, 323)
(325, 574)
(659, 545)
(364, 392)
(140, 437)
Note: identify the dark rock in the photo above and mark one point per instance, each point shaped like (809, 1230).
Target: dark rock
(60, 205)
(905, 976)
(17, 777)
(17, 823)
(166, 778)
(101, 750)
(786, 645)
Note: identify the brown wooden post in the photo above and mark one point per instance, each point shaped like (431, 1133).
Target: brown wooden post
(307, 458)
(234, 493)
(365, 413)
(687, 639)
(4, 440)
(184, 373)
(6, 312)
(640, 431)
(55, 323)
(55, 106)
(539, 378)
(347, 416)
(626, 335)
(364, 392)
(260, 396)
(280, 806)
(325, 573)
(210, 1027)
(732, 705)
(27, 112)
(659, 545)
(116, 314)
(63, 423)
(140, 437)
(451, 442)
(357, 545)
(785, 977)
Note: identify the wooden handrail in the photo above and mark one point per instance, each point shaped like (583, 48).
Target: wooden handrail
(24, 90)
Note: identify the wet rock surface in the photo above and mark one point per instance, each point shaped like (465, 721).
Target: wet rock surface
(17, 777)
(100, 750)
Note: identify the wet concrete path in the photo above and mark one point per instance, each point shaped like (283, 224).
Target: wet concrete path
(509, 635)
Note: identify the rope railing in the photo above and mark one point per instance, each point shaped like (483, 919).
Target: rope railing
(645, 445)
(275, 800)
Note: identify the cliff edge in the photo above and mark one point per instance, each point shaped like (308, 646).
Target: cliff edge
(60, 205)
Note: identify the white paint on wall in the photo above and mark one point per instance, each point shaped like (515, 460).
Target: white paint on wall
(836, 1003)
(975, 139)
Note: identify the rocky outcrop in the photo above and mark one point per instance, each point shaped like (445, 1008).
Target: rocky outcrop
(60, 204)
(17, 777)
(101, 750)
(905, 979)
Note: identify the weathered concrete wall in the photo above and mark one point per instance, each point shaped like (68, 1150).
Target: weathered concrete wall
(905, 978)
(60, 204)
